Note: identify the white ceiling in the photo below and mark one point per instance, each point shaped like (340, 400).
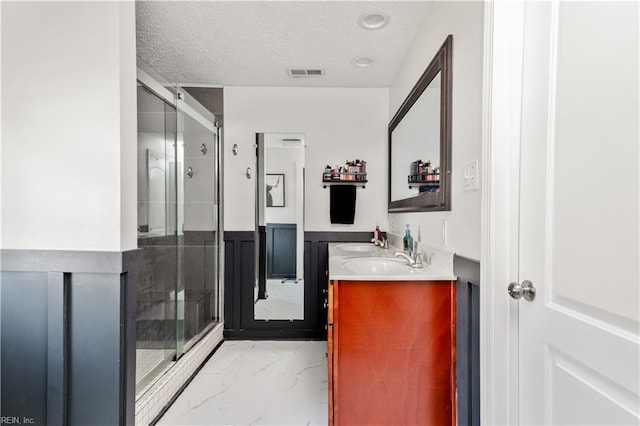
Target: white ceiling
(252, 43)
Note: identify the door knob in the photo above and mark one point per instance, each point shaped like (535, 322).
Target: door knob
(527, 290)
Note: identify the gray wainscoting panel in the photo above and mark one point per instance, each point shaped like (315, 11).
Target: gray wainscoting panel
(467, 339)
(24, 345)
(95, 349)
(57, 346)
(281, 250)
(132, 264)
(68, 336)
(62, 261)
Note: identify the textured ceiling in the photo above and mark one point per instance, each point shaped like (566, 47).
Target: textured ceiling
(254, 42)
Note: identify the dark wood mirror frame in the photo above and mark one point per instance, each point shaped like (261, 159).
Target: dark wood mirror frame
(441, 200)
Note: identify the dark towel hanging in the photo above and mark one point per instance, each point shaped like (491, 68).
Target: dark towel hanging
(342, 203)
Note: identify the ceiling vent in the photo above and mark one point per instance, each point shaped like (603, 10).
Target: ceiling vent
(305, 72)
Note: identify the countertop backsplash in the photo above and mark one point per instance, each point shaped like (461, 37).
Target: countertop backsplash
(441, 257)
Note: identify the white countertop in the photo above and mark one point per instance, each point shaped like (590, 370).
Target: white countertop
(340, 255)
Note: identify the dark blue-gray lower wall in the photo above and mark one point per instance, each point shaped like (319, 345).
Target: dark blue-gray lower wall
(68, 335)
(467, 340)
(239, 282)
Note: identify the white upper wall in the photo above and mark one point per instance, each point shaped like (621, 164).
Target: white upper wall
(283, 160)
(339, 124)
(68, 126)
(465, 21)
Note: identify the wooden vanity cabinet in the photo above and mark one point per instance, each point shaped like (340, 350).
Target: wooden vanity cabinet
(391, 352)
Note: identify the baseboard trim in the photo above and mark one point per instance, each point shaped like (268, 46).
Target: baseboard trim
(274, 335)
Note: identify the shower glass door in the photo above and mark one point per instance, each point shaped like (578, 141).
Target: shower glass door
(198, 266)
(156, 295)
(178, 230)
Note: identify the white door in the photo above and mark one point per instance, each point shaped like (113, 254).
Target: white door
(579, 337)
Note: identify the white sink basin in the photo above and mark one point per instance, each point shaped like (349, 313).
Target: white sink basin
(377, 266)
(358, 248)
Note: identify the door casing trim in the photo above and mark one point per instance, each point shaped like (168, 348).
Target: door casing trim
(502, 96)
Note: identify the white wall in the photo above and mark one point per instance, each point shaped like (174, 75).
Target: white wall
(284, 161)
(1, 133)
(69, 126)
(465, 21)
(339, 124)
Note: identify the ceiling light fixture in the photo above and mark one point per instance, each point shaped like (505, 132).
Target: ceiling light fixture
(362, 61)
(373, 21)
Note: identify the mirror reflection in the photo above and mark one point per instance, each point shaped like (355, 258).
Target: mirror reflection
(420, 141)
(416, 146)
(279, 281)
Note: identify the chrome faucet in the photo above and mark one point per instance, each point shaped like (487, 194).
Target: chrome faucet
(382, 243)
(414, 260)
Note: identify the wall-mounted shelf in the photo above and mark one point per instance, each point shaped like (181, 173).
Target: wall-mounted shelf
(425, 186)
(424, 178)
(359, 179)
(428, 182)
(344, 182)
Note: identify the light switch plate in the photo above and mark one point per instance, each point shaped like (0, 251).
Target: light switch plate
(470, 176)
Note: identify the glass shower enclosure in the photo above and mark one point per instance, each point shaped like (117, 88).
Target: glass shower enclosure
(178, 228)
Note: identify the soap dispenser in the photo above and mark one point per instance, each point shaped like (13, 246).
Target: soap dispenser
(407, 241)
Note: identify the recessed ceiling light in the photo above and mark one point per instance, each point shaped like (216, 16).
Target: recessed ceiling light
(373, 21)
(362, 61)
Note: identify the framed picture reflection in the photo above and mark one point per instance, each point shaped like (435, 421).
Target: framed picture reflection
(275, 189)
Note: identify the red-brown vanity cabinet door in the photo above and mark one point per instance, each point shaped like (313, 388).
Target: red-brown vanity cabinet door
(330, 348)
(393, 361)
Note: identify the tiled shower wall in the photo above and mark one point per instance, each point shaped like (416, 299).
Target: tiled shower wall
(162, 274)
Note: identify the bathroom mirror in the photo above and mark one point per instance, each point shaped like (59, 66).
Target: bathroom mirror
(420, 141)
(279, 280)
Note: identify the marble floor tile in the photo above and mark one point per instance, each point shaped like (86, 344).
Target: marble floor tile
(257, 383)
(285, 301)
